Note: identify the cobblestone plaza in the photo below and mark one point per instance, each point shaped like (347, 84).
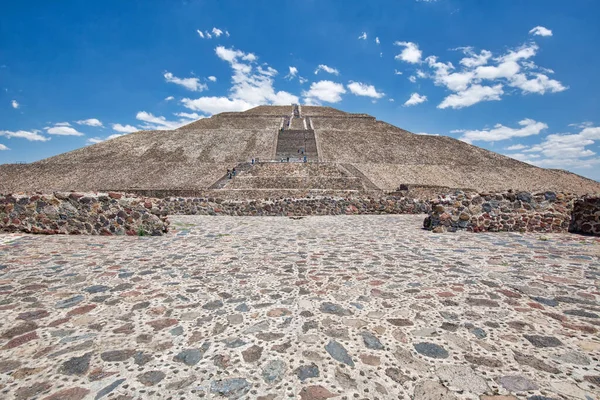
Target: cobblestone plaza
(344, 307)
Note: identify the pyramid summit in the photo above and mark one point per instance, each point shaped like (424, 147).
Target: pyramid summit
(295, 149)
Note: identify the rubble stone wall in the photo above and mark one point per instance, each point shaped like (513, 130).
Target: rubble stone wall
(294, 207)
(77, 213)
(501, 212)
(586, 216)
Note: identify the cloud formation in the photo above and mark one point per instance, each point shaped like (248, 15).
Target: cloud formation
(252, 85)
(327, 91)
(124, 128)
(90, 122)
(330, 70)
(32, 136)
(415, 99)
(540, 31)
(410, 54)
(62, 129)
(14, 104)
(362, 89)
(528, 127)
(192, 84)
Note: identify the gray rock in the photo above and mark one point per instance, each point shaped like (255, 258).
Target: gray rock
(543, 341)
(339, 353)
(76, 365)
(524, 197)
(462, 378)
(573, 357)
(178, 330)
(242, 308)
(189, 356)
(273, 371)
(252, 354)
(107, 389)
(96, 289)
(331, 308)
(141, 358)
(432, 390)
(151, 378)
(371, 341)
(545, 301)
(517, 383)
(431, 350)
(581, 313)
(304, 372)
(213, 305)
(70, 302)
(116, 355)
(233, 388)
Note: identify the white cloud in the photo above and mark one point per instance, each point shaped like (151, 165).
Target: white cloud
(410, 54)
(363, 36)
(124, 128)
(189, 115)
(412, 78)
(252, 85)
(415, 99)
(396, 72)
(528, 127)
(159, 122)
(63, 130)
(474, 59)
(541, 31)
(327, 69)
(14, 104)
(426, 134)
(200, 33)
(516, 147)
(293, 72)
(327, 91)
(474, 94)
(32, 136)
(3, 147)
(192, 84)
(89, 122)
(62, 124)
(95, 140)
(512, 69)
(214, 105)
(217, 32)
(169, 98)
(362, 89)
(212, 78)
(377, 40)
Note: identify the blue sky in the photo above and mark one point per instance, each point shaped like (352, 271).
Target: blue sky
(516, 77)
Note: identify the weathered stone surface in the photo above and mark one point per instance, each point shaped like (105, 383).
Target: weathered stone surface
(536, 363)
(151, 378)
(331, 308)
(274, 371)
(252, 354)
(462, 378)
(543, 341)
(116, 355)
(315, 392)
(339, 353)
(19, 329)
(232, 388)
(517, 383)
(432, 390)
(76, 365)
(75, 393)
(431, 350)
(371, 341)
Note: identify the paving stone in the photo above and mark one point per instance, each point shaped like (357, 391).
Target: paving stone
(543, 341)
(431, 350)
(315, 392)
(331, 308)
(432, 390)
(371, 341)
(252, 354)
(116, 355)
(274, 371)
(75, 393)
(517, 383)
(232, 388)
(70, 302)
(151, 378)
(304, 372)
(339, 353)
(76, 365)
(462, 378)
(536, 363)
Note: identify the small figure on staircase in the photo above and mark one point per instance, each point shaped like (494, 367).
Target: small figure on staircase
(228, 173)
(233, 172)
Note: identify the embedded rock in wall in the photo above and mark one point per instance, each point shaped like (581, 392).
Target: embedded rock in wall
(501, 212)
(294, 207)
(586, 216)
(77, 213)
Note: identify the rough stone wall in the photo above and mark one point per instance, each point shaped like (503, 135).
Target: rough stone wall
(501, 212)
(586, 216)
(294, 207)
(76, 213)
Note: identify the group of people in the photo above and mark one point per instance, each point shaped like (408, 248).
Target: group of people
(231, 173)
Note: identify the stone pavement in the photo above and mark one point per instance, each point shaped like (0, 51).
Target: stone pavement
(345, 307)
